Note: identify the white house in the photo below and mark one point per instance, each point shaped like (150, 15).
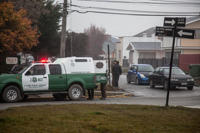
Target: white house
(142, 45)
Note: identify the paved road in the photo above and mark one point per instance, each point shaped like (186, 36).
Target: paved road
(144, 96)
(158, 91)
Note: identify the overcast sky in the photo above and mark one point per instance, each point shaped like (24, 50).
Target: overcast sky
(124, 25)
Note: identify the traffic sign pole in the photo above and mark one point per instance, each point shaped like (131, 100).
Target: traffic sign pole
(109, 63)
(171, 62)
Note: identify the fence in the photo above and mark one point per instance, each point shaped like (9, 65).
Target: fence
(186, 59)
(158, 62)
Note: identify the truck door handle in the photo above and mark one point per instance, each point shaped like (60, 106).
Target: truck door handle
(44, 77)
(60, 77)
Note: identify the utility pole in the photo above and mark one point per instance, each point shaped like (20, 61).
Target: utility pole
(63, 33)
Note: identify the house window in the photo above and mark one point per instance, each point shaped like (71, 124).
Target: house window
(146, 55)
(119, 54)
(175, 55)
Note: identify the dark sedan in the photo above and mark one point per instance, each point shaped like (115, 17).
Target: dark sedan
(160, 76)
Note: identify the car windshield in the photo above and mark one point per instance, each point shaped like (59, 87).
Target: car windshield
(145, 69)
(175, 71)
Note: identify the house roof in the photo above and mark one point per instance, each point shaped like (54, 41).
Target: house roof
(149, 32)
(192, 19)
(115, 40)
(146, 45)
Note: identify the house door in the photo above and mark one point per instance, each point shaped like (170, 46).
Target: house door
(131, 56)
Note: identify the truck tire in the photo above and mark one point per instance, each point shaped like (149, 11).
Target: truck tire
(11, 94)
(75, 92)
(59, 97)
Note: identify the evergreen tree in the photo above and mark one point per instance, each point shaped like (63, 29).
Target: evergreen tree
(48, 26)
(76, 44)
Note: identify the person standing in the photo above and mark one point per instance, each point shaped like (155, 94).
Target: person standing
(90, 94)
(103, 91)
(117, 70)
(113, 79)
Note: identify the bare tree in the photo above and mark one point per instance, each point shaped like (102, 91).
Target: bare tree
(97, 37)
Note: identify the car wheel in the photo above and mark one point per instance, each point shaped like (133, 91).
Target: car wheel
(11, 94)
(152, 84)
(128, 80)
(190, 88)
(75, 92)
(137, 81)
(165, 86)
(59, 97)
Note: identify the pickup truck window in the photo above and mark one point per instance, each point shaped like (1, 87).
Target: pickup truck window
(80, 60)
(55, 69)
(36, 70)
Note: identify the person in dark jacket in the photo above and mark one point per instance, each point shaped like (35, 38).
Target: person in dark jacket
(90, 94)
(168, 65)
(117, 71)
(103, 91)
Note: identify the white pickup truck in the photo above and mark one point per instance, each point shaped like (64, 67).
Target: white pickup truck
(64, 77)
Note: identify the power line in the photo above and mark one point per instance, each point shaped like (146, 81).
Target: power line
(112, 9)
(133, 2)
(133, 14)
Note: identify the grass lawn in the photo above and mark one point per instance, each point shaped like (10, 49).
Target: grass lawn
(90, 118)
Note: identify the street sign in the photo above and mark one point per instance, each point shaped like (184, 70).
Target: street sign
(185, 33)
(11, 60)
(163, 31)
(180, 22)
(112, 46)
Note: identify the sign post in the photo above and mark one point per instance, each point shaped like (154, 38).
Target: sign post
(171, 62)
(109, 62)
(173, 31)
(107, 47)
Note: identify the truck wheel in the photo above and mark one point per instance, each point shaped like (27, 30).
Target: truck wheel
(75, 92)
(11, 94)
(59, 97)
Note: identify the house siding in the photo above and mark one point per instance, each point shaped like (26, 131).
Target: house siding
(190, 43)
(193, 25)
(191, 51)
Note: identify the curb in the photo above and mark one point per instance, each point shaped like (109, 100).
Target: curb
(123, 95)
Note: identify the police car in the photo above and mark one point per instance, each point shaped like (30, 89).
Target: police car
(64, 77)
